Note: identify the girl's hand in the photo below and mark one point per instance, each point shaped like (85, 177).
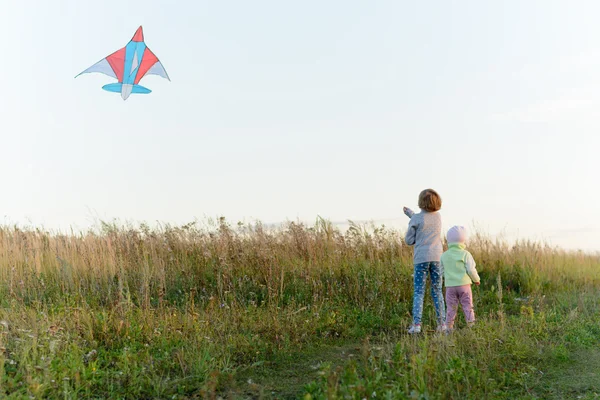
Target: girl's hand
(477, 283)
(409, 213)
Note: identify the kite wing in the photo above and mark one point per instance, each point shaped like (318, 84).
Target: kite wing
(158, 69)
(150, 65)
(112, 65)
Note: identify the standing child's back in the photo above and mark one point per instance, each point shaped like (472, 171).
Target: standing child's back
(424, 232)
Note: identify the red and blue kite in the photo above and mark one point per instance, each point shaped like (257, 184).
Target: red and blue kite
(129, 65)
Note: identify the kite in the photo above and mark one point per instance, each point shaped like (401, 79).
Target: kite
(129, 65)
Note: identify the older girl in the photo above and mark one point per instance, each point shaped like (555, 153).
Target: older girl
(424, 232)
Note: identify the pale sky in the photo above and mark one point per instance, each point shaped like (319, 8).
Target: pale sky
(287, 110)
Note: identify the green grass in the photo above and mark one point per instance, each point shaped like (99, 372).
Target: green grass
(298, 312)
(539, 354)
(579, 377)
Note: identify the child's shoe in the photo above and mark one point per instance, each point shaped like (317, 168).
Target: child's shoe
(414, 329)
(442, 328)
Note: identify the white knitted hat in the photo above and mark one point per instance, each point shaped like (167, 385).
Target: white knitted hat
(457, 234)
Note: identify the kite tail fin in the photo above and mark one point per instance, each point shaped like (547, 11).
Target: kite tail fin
(125, 91)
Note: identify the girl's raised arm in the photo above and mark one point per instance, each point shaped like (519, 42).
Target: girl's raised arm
(411, 234)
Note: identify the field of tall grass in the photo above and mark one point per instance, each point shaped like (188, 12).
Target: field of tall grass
(214, 310)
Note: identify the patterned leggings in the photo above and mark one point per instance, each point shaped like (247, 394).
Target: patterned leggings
(436, 272)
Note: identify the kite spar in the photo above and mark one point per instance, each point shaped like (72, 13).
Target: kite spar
(129, 65)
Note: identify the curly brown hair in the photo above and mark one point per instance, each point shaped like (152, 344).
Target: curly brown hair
(430, 200)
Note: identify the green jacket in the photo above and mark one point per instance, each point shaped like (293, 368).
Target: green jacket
(459, 266)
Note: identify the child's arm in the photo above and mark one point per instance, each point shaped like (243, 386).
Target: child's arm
(411, 234)
(471, 270)
(409, 213)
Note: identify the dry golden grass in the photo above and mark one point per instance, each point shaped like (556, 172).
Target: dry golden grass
(146, 266)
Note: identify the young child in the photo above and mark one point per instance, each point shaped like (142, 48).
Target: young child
(425, 233)
(459, 273)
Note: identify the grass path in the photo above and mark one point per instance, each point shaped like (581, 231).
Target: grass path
(577, 378)
(285, 378)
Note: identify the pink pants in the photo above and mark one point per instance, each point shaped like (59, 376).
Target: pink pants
(462, 295)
